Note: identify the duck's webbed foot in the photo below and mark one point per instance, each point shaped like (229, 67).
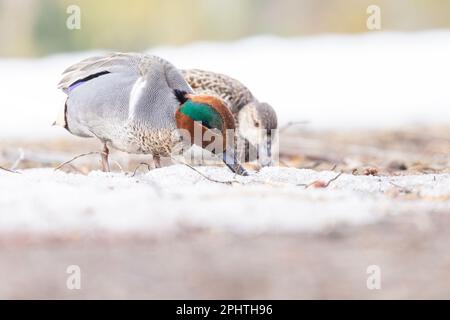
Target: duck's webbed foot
(105, 155)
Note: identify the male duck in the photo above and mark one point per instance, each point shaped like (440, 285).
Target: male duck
(256, 121)
(139, 103)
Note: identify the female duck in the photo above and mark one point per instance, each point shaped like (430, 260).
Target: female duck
(256, 121)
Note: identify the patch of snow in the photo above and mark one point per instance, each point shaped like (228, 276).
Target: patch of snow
(344, 81)
(174, 198)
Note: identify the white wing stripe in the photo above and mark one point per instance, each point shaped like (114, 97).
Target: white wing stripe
(135, 95)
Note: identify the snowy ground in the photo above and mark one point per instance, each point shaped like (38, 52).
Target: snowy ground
(338, 83)
(172, 234)
(377, 106)
(275, 200)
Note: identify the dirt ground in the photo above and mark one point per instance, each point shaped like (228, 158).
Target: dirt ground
(412, 250)
(388, 152)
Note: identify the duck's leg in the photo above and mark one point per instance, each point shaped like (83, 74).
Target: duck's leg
(105, 154)
(157, 161)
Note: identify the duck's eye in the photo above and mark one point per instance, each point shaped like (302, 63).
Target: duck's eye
(257, 124)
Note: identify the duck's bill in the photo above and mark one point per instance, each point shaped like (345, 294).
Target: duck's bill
(229, 158)
(238, 169)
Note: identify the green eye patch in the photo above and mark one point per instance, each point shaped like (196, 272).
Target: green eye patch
(209, 117)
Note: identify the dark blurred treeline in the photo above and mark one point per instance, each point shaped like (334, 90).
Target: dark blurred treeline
(38, 27)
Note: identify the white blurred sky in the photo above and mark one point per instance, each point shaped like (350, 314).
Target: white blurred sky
(333, 81)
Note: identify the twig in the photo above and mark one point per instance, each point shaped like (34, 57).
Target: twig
(118, 165)
(75, 158)
(314, 165)
(290, 124)
(402, 189)
(324, 159)
(140, 165)
(320, 183)
(203, 175)
(30, 156)
(77, 170)
(334, 179)
(153, 184)
(19, 159)
(285, 164)
(10, 171)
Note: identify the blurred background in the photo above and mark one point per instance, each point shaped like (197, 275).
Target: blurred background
(373, 104)
(36, 27)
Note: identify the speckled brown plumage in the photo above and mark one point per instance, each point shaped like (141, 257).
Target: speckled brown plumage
(233, 92)
(255, 120)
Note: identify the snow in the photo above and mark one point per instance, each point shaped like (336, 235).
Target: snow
(337, 82)
(174, 199)
(333, 81)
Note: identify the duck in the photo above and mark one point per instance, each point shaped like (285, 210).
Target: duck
(256, 121)
(140, 103)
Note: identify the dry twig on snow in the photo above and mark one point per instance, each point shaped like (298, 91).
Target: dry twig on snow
(75, 158)
(8, 170)
(140, 165)
(321, 183)
(290, 124)
(230, 182)
(19, 159)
